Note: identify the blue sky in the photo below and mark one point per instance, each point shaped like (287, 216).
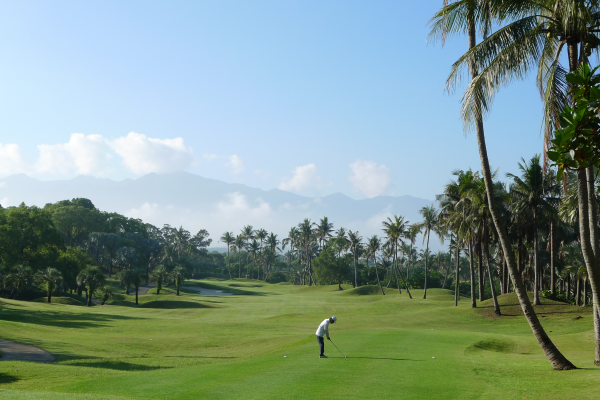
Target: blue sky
(309, 96)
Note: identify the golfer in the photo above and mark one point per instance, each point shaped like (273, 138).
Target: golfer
(323, 329)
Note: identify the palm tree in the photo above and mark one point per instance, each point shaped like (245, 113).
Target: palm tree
(261, 234)
(239, 245)
(111, 243)
(106, 294)
(178, 275)
(272, 243)
(374, 246)
(19, 278)
(254, 250)
(248, 234)
(159, 274)
(292, 240)
(92, 278)
(306, 236)
(411, 234)
(530, 196)
(395, 230)
(229, 239)
(137, 276)
(430, 221)
(452, 219)
(479, 219)
(323, 231)
(354, 239)
(52, 277)
(477, 97)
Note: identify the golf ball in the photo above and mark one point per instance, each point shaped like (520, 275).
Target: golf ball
(284, 356)
(345, 356)
(432, 357)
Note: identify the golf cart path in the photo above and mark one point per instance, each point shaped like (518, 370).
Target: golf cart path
(207, 292)
(15, 351)
(144, 289)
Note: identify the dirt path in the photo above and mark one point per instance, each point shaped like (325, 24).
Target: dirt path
(207, 292)
(15, 351)
(143, 289)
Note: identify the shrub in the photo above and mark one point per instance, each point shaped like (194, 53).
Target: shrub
(277, 277)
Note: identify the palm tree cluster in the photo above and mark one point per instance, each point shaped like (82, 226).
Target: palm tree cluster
(259, 244)
(516, 38)
(374, 260)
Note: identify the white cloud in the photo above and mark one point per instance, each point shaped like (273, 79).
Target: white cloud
(142, 154)
(81, 154)
(12, 160)
(237, 206)
(305, 180)
(235, 164)
(4, 202)
(148, 211)
(2, 185)
(370, 179)
(375, 222)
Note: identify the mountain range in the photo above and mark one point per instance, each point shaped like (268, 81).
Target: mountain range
(195, 202)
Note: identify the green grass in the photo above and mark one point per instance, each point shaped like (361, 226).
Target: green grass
(193, 346)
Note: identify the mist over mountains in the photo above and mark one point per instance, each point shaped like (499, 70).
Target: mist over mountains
(195, 202)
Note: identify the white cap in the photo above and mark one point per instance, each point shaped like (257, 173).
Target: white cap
(334, 319)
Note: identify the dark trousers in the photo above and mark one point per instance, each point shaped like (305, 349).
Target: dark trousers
(321, 344)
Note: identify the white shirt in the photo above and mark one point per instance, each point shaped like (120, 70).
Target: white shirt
(323, 329)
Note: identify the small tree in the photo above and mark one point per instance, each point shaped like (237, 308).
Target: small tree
(92, 278)
(52, 277)
(159, 275)
(106, 294)
(330, 269)
(178, 275)
(19, 278)
(136, 276)
(127, 280)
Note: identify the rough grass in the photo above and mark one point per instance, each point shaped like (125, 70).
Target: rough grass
(191, 347)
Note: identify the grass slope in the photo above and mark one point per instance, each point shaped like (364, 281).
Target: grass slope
(193, 346)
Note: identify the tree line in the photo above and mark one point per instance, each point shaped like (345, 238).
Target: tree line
(71, 246)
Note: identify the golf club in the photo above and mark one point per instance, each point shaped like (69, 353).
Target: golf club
(337, 348)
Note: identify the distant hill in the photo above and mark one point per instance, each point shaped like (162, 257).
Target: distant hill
(197, 202)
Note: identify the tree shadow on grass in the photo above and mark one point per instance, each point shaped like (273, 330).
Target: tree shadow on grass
(162, 304)
(6, 378)
(382, 358)
(200, 357)
(61, 319)
(117, 365)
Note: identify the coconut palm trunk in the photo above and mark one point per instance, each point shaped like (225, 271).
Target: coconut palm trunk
(456, 285)
(536, 265)
(556, 358)
(228, 261)
(377, 273)
(589, 243)
(552, 260)
(480, 273)
(426, 265)
(472, 270)
(403, 281)
(492, 287)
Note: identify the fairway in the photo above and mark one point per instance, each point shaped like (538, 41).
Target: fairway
(195, 346)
